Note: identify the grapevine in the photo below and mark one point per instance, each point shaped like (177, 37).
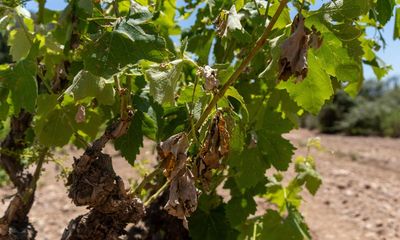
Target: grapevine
(215, 98)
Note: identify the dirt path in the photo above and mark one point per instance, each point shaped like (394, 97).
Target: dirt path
(359, 199)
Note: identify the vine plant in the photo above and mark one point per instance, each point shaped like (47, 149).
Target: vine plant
(216, 96)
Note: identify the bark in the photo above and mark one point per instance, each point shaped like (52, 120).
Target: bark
(15, 222)
(94, 183)
(158, 224)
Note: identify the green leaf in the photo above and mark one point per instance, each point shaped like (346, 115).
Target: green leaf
(292, 227)
(19, 44)
(334, 56)
(86, 84)
(163, 79)
(276, 150)
(379, 67)
(239, 208)
(250, 167)
(239, 4)
(346, 9)
(45, 104)
(129, 144)
(166, 20)
(280, 195)
(385, 10)
(21, 80)
(396, 32)
(232, 92)
(131, 41)
(211, 225)
(55, 123)
(272, 122)
(316, 88)
(4, 109)
(305, 167)
(200, 44)
(237, 138)
(93, 123)
(4, 106)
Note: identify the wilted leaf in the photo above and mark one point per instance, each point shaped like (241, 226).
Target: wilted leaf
(293, 60)
(173, 154)
(228, 25)
(182, 199)
(210, 77)
(182, 196)
(215, 147)
(315, 38)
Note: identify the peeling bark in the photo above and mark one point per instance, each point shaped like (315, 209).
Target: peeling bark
(94, 183)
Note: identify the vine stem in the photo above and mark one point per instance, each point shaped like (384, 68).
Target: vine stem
(155, 195)
(41, 11)
(33, 184)
(232, 79)
(146, 179)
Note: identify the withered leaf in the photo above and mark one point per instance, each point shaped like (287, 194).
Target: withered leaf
(182, 191)
(293, 60)
(210, 76)
(315, 39)
(182, 196)
(215, 147)
(173, 153)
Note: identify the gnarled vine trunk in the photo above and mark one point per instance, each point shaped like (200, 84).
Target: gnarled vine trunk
(15, 222)
(94, 183)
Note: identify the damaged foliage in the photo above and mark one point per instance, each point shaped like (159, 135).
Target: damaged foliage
(293, 59)
(215, 147)
(210, 77)
(182, 191)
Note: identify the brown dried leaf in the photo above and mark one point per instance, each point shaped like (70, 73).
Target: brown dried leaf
(182, 196)
(182, 192)
(80, 115)
(316, 39)
(293, 60)
(210, 76)
(224, 136)
(173, 153)
(215, 147)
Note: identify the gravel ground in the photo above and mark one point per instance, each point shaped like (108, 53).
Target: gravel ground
(359, 198)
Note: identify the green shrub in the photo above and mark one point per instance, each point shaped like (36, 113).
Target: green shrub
(364, 119)
(375, 111)
(391, 124)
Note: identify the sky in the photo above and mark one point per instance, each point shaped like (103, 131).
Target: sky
(390, 54)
